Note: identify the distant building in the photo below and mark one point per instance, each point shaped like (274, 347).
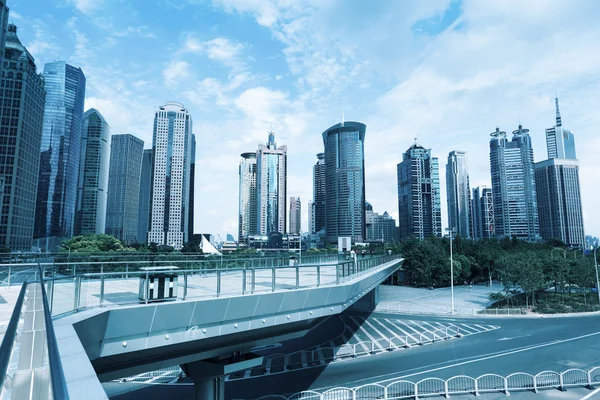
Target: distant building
(345, 182)
(271, 187)
(311, 216)
(379, 228)
(60, 155)
(143, 225)
(319, 197)
(458, 193)
(122, 207)
(22, 107)
(513, 186)
(192, 188)
(483, 213)
(92, 188)
(419, 211)
(170, 199)
(295, 216)
(247, 216)
(560, 141)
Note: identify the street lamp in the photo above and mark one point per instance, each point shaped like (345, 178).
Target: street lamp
(596, 269)
(451, 234)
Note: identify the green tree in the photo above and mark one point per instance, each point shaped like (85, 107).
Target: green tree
(583, 275)
(531, 276)
(93, 244)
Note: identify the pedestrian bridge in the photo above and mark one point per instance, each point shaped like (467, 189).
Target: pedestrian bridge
(219, 312)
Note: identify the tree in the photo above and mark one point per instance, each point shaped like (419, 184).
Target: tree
(191, 247)
(583, 275)
(531, 277)
(93, 243)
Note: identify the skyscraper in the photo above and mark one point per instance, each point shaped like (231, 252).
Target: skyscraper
(144, 197)
(483, 213)
(560, 141)
(171, 147)
(60, 154)
(22, 108)
(271, 182)
(513, 186)
(319, 197)
(379, 228)
(192, 189)
(247, 216)
(295, 216)
(457, 187)
(345, 181)
(126, 153)
(311, 216)
(3, 28)
(419, 211)
(92, 188)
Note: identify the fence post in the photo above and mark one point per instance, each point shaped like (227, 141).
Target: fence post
(253, 283)
(185, 284)
(446, 394)
(101, 290)
(218, 282)
(562, 383)
(76, 297)
(506, 387)
(147, 288)
(476, 388)
(589, 376)
(535, 389)
(318, 275)
(416, 391)
(297, 277)
(244, 279)
(126, 270)
(337, 274)
(273, 279)
(9, 272)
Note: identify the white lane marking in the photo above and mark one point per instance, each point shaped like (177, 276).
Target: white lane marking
(409, 327)
(375, 320)
(481, 327)
(590, 394)
(375, 329)
(361, 343)
(400, 329)
(514, 337)
(425, 331)
(435, 328)
(464, 329)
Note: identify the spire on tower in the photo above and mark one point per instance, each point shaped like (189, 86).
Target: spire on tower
(558, 119)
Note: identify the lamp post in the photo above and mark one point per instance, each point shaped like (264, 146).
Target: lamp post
(451, 234)
(596, 269)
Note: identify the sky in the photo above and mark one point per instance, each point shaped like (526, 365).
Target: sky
(444, 72)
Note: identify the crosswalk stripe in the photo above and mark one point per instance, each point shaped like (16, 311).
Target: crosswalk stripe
(386, 328)
(434, 328)
(375, 329)
(463, 329)
(426, 332)
(359, 342)
(482, 327)
(405, 332)
(469, 327)
(360, 327)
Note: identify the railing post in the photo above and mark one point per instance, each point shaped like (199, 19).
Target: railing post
(337, 274)
(476, 388)
(589, 379)
(9, 272)
(506, 393)
(126, 270)
(272, 279)
(297, 277)
(318, 275)
(218, 282)
(253, 283)
(101, 290)
(76, 297)
(147, 288)
(562, 383)
(535, 389)
(416, 391)
(446, 395)
(244, 279)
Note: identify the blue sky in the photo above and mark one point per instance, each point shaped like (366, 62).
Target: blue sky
(446, 72)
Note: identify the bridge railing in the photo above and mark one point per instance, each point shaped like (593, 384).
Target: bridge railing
(423, 309)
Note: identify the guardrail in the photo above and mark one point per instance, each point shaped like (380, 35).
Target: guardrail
(421, 309)
(10, 335)
(461, 384)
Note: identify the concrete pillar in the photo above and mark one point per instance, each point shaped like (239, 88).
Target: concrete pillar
(369, 301)
(209, 388)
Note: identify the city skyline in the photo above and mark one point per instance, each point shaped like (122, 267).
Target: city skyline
(258, 97)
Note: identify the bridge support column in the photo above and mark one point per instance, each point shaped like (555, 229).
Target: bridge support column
(369, 301)
(209, 389)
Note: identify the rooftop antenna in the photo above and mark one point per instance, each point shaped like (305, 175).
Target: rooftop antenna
(558, 119)
(342, 111)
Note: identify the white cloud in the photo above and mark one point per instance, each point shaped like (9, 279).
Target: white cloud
(176, 71)
(221, 49)
(87, 6)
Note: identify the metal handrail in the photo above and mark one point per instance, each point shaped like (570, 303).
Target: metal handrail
(57, 376)
(10, 335)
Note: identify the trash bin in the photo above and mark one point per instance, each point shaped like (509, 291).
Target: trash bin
(158, 283)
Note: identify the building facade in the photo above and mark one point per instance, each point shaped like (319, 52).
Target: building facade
(319, 196)
(60, 154)
(458, 193)
(513, 186)
(271, 186)
(170, 197)
(22, 108)
(560, 141)
(92, 188)
(379, 228)
(295, 216)
(247, 216)
(345, 182)
(419, 209)
(482, 207)
(143, 225)
(126, 153)
(192, 188)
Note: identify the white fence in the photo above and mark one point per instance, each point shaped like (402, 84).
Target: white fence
(419, 309)
(429, 387)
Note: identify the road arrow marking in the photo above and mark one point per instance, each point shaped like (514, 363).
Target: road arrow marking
(514, 337)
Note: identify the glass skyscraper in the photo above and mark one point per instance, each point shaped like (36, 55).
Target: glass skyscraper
(458, 193)
(319, 197)
(144, 197)
(170, 198)
(271, 183)
(419, 209)
(22, 106)
(60, 154)
(513, 186)
(247, 196)
(192, 188)
(124, 187)
(345, 181)
(483, 213)
(92, 190)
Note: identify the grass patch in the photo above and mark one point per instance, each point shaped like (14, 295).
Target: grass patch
(549, 303)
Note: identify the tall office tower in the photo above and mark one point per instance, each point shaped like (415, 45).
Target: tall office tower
(560, 141)
(126, 153)
(559, 201)
(192, 189)
(22, 108)
(319, 197)
(295, 216)
(92, 188)
(3, 28)
(345, 181)
(143, 225)
(271, 183)
(458, 193)
(60, 155)
(311, 216)
(247, 197)
(513, 186)
(419, 209)
(483, 213)
(170, 197)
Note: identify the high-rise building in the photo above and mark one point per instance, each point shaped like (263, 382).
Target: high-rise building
(458, 193)
(192, 189)
(379, 228)
(345, 181)
(247, 216)
(271, 183)
(483, 213)
(145, 192)
(126, 153)
(559, 201)
(92, 188)
(513, 186)
(319, 197)
(419, 209)
(311, 216)
(22, 108)
(170, 198)
(295, 216)
(3, 28)
(560, 141)
(60, 154)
